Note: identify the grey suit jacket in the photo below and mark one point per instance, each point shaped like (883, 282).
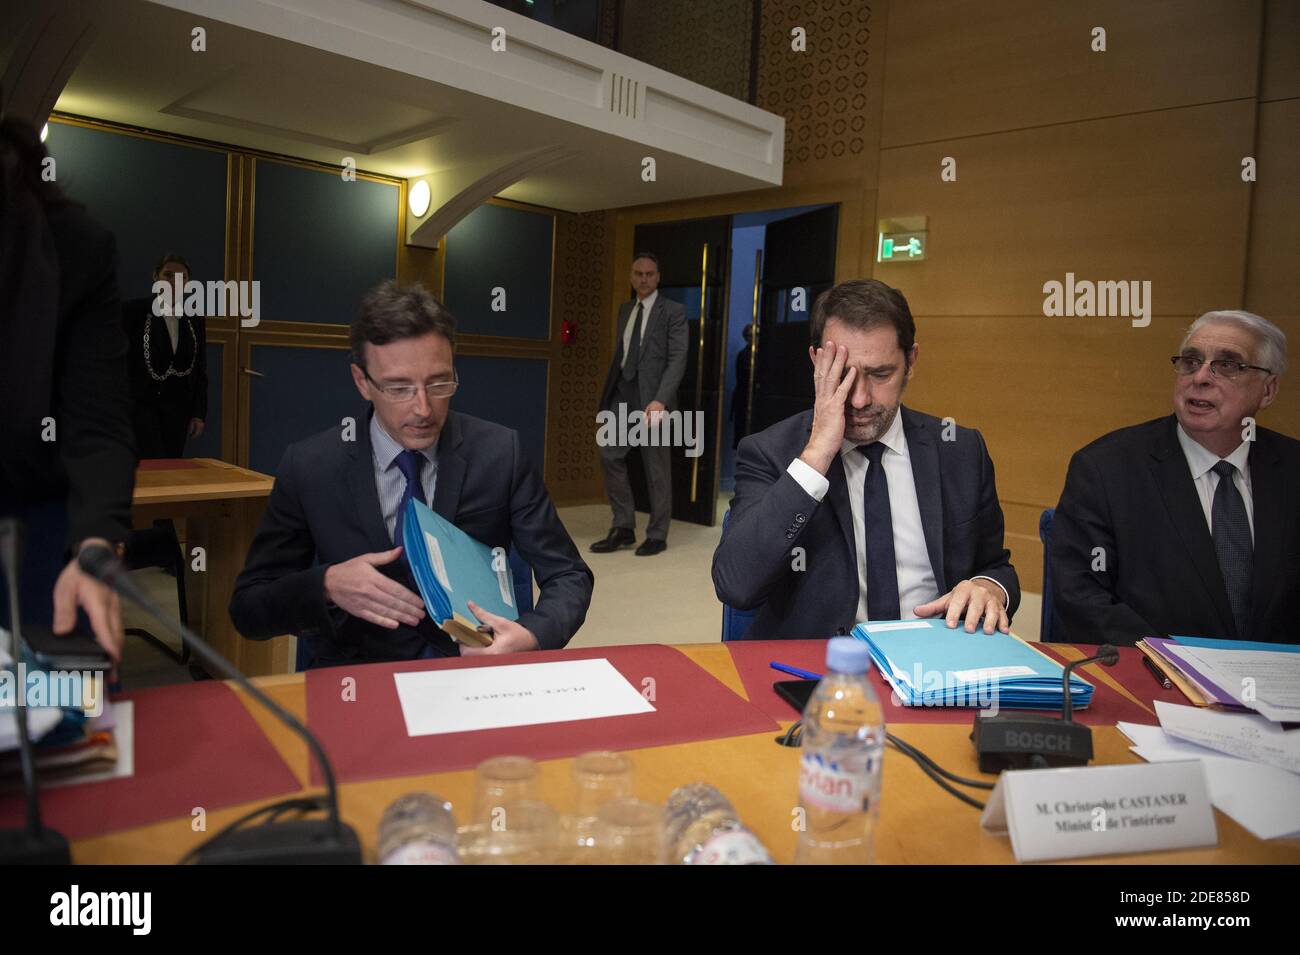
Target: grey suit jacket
(662, 359)
(771, 514)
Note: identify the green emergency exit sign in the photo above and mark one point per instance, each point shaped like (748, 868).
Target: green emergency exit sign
(902, 240)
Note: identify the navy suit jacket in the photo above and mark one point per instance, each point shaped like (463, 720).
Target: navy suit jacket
(772, 514)
(1131, 494)
(324, 509)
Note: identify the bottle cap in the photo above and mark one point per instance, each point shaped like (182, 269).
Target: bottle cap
(848, 655)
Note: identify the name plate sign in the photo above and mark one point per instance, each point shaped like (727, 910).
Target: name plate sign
(1102, 810)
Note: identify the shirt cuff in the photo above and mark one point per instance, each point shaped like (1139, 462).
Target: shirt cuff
(815, 484)
(1006, 596)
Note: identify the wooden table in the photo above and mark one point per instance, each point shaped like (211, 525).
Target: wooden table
(221, 505)
(919, 823)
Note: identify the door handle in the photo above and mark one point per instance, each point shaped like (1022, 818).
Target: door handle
(699, 360)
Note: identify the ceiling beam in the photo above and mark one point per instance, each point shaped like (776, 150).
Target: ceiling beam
(454, 198)
(55, 36)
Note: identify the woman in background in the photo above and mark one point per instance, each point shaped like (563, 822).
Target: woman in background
(169, 366)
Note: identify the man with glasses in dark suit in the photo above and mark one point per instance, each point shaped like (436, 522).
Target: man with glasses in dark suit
(1188, 525)
(324, 565)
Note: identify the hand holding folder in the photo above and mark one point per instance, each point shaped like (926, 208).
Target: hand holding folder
(452, 569)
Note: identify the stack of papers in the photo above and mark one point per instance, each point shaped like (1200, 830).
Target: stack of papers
(70, 745)
(1263, 799)
(1244, 735)
(1236, 674)
(927, 664)
(40, 719)
(451, 568)
(104, 748)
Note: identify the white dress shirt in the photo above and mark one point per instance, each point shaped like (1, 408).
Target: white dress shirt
(389, 480)
(917, 583)
(1201, 461)
(173, 330)
(647, 304)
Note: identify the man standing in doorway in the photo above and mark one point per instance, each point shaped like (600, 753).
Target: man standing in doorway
(648, 366)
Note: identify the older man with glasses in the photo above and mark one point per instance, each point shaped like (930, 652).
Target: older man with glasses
(326, 562)
(1188, 525)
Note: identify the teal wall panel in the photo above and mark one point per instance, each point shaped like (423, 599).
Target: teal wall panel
(156, 197)
(506, 248)
(320, 242)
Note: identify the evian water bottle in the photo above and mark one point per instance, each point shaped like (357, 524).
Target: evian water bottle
(839, 772)
(702, 828)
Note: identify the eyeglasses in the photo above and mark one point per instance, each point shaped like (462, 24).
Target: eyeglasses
(402, 393)
(1219, 367)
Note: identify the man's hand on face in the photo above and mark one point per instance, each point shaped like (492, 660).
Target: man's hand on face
(831, 386)
(361, 590)
(508, 636)
(972, 599)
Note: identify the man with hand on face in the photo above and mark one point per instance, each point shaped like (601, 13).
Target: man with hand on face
(324, 565)
(1188, 525)
(862, 509)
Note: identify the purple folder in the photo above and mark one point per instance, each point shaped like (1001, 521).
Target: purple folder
(1169, 649)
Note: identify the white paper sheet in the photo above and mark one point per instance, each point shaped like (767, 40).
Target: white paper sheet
(897, 625)
(1264, 800)
(524, 694)
(1272, 678)
(1244, 735)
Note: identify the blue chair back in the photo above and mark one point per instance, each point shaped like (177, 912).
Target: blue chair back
(306, 654)
(734, 622)
(1050, 630)
(520, 573)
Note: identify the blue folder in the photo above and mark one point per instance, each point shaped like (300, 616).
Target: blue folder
(930, 665)
(451, 568)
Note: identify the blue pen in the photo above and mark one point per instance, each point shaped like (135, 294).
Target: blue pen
(795, 671)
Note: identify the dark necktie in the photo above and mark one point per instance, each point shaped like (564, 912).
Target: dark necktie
(409, 463)
(633, 347)
(1232, 544)
(878, 538)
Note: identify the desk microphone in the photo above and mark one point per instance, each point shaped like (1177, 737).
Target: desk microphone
(276, 842)
(33, 844)
(1035, 740)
